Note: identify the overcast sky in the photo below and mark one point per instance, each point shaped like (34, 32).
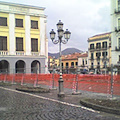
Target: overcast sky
(83, 18)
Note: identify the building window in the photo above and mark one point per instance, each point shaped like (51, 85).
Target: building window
(19, 22)
(92, 65)
(118, 24)
(104, 45)
(3, 21)
(19, 44)
(119, 42)
(92, 56)
(118, 5)
(91, 46)
(62, 65)
(83, 63)
(3, 43)
(34, 45)
(67, 65)
(98, 65)
(98, 45)
(104, 54)
(86, 62)
(72, 64)
(105, 65)
(34, 24)
(76, 63)
(98, 54)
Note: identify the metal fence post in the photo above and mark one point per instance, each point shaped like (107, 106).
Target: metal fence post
(76, 83)
(112, 80)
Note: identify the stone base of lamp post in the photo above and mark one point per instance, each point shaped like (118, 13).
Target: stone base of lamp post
(76, 93)
(53, 88)
(61, 95)
(61, 91)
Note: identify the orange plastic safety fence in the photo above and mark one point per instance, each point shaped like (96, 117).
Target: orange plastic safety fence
(29, 78)
(2, 77)
(68, 80)
(9, 77)
(94, 83)
(18, 78)
(44, 79)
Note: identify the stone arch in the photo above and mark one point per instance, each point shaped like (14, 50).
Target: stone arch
(35, 67)
(20, 66)
(4, 66)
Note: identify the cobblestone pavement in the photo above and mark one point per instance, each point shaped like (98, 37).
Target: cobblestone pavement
(19, 106)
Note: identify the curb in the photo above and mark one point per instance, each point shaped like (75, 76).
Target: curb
(33, 90)
(100, 108)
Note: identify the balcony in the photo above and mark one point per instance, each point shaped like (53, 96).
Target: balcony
(92, 49)
(117, 29)
(118, 62)
(105, 48)
(117, 11)
(35, 53)
(105, 59)
(20, 53)
(98, 67)
(82, 65)
(117, 48)
(67, 67)
(91, 68)
(72, 67)
(98, 48)
(98, 58)
(91, 58)
(4, 53)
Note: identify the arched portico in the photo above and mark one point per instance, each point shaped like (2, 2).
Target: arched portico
(20, 66)
(35, 67)
(4, 66)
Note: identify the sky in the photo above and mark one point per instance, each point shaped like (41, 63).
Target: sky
(83, 18)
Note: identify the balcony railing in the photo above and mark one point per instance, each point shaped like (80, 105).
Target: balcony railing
(91, 49)
(91, 58)
(20, 53)
(35, 53)
(98, 58)
(104, 48)
(117, 48)
(98, 67)
(4, 53)
(118, 62)
(91, 68)
(117, 10)
(117, 29)
(98, 48)
(105, 59)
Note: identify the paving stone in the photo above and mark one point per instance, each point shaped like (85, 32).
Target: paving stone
(17, 106)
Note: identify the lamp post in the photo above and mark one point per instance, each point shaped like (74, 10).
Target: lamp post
(67, 37)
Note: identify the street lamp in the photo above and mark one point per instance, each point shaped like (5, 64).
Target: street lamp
(66, 35)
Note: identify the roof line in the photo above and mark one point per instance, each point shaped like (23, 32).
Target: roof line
(21, 5)
(101, 34)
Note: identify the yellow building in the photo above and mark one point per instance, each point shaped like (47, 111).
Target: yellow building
(53, 63)
(115, 35)
(56, 62)
(23, 42)
(83, 63)
(70, 62)
(99, 52)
